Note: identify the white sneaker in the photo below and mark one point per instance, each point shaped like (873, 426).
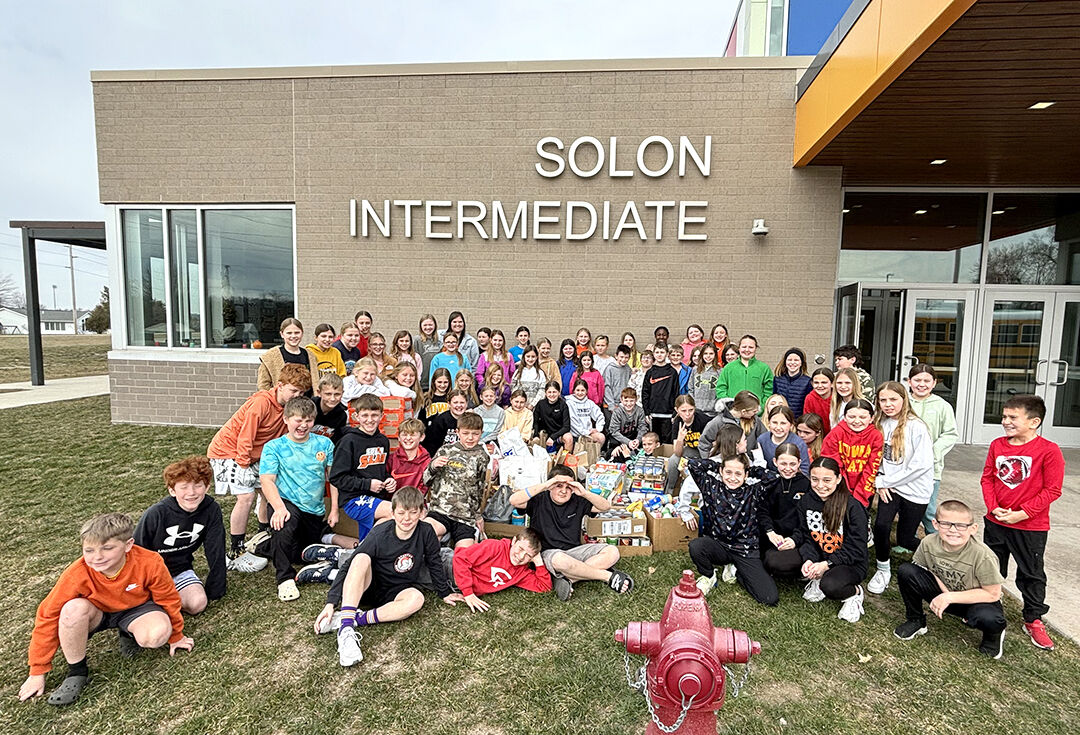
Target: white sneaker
(852, 609)
(813, 592)
(348, 647)
(879, 582)
(332, 624)
(728, 575)
(706, 584)
(248, 563)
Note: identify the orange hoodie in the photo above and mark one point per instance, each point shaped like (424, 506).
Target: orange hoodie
(859, 455)
(254, 424)
(143, 578)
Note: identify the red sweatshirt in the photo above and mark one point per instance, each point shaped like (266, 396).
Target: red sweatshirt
(409, 471)
(859, 455)
(143, 578)
(1025, 477)
(485, 567)
(821, 406)
(595, 381)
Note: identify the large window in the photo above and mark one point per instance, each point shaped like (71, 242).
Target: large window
(912, 238)
(227, 280)
(1034, 240)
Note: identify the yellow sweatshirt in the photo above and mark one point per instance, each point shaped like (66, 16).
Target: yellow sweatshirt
(329, 360)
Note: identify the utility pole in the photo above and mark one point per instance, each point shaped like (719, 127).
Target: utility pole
(74, 309)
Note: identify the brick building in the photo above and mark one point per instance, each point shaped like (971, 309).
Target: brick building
(921, 219)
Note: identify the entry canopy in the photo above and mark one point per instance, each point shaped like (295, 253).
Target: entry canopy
(79, 234)
(941, 93)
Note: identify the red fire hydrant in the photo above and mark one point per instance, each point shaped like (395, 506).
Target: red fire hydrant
(685, 679)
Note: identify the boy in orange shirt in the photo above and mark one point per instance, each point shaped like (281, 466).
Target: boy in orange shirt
(235, 450)
(114, 585)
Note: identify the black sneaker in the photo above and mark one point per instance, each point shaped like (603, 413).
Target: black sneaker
(319, 572)
(320, 552)
(993, 644)
(909, 629)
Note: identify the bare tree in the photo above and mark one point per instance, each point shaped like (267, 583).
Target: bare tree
(10, 293)
(1032, 262)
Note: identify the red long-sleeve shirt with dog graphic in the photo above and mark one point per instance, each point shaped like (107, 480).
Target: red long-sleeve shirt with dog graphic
(859, 455)
(485, 567)
(1025, 477)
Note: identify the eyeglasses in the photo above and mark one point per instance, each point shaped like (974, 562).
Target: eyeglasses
(945, 525)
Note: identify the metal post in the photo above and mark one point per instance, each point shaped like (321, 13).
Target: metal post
(33, 308)
(74, 309)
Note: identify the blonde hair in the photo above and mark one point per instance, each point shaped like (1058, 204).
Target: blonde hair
(744, 400)
(492, 355)
(837, 407)
(332, 380)
(468, 391)
(896, 441)
(108, 526)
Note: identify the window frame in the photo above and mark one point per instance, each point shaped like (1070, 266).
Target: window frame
(118, 286)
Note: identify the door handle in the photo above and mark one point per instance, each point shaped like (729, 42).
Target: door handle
(1065, 377)
(1036, 371)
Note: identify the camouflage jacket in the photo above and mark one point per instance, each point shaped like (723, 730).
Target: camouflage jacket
(457, 488)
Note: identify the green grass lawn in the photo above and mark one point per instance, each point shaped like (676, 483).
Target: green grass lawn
(66, 356)
(530, 665)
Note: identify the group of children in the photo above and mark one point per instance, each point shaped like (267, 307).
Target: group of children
(787, 497)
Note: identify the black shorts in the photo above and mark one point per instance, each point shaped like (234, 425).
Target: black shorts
(124, 618)
(377, 596)
(457, 530)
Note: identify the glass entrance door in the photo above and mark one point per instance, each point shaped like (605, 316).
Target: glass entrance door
(1063, 374)
(1030, 344)
(938, 330)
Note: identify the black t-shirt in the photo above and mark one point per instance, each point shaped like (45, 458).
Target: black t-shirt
(300, 358)
(396, 562)
(331, 423)
(559, 526)
(693, 433)
(442, 430)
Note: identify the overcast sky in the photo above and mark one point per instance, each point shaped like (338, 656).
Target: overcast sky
(47, 49)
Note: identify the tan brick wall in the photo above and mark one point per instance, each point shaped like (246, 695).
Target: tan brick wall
(319, 142)
(188, 393)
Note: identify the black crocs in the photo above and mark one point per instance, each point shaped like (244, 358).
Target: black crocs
(68, 691)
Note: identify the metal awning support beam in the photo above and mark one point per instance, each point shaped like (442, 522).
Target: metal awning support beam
(33, 308)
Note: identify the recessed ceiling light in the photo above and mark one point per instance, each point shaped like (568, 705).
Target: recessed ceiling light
(846, 211)
(998, 211)
(1041, 105)
(920, 211)
(938, 161)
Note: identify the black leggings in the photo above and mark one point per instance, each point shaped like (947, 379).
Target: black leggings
(787, 564)
(707, 553)
(840, 581)
(911, 515)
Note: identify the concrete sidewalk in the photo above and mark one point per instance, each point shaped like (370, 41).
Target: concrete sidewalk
(13, 395)
(963, 470)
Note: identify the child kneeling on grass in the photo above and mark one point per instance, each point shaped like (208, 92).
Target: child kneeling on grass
(382, 583)
(293, 473)
(729, 527)
(114, 585)
(178, 525)
(957, 574)
(556, 508)
(498, 564)
(831, 539)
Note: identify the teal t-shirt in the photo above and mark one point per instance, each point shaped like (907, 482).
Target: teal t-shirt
(300, 469)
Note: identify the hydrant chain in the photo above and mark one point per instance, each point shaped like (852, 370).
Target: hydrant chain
(686, 705)
(736, 686)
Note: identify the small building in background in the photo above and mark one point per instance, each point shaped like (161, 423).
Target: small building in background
(53, 321)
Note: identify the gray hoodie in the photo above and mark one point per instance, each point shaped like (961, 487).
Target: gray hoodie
(615, 379)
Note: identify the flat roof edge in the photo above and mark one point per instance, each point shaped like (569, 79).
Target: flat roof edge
(469, 67)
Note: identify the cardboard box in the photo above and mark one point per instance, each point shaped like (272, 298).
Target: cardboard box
(627, 548)
(501, 530)
(669, 534)
(617, 525)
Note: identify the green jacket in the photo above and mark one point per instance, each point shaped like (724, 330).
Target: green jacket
(756, 377)
(939, 417)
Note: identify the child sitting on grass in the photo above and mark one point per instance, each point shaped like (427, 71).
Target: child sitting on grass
(114, 585)
(556, 509)
(178, 525)
(381, 583)
(456, 476)
(293, 474)
(498, 564)
(957, 574)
